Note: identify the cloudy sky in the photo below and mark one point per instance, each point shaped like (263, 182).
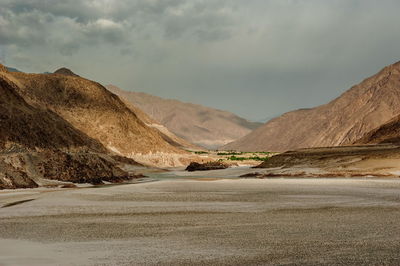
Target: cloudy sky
(257, 58)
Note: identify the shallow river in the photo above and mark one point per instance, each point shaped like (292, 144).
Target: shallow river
(186, 220)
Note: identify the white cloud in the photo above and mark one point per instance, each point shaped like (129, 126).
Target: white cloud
(107, 24)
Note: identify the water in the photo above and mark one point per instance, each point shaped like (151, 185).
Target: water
(229, 173)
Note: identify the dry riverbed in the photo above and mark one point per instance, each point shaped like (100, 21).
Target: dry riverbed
(204, 221)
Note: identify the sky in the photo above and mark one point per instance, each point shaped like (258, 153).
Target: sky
(256, 58)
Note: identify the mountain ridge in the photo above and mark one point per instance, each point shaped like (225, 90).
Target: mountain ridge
(67, 128)
(204, 126)
(38, 145)
(342, 121)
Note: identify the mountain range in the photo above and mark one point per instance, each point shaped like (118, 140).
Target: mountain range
(357, 116)
(200, 125)
(60, 126)
(65, 127)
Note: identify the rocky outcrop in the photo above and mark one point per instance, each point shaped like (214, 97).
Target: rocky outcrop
(194, 166)
(343, 121)
(319, 156)
(28, 169)
(80, 168)
(12, 178)
(252, 175)
(343, 161)
(386, 133)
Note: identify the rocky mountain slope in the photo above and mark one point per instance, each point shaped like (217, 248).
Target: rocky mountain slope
(33, 127)
(64, 127)
(98, 113)
(197, 124)
(165, 133)
(32, 136)
(386, 133)
(344, 120)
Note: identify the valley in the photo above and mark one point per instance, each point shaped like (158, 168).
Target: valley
(201, 132)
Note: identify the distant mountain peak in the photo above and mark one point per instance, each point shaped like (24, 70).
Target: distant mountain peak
(65, 71)
(343, 121)
(201, 125)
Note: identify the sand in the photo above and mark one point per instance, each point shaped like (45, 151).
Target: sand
(217, 221)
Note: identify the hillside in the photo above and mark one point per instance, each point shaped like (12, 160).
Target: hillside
(197, 124)
(33, 127)
(98, 113)
(342, 161)
(344, 120)
(66, 128)
(165, 133)
(386, 133)
(37, 144)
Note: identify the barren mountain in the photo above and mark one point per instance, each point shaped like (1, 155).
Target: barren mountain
(165, 133)
(32, 138)
(98, 113)
(344, 120)
(64, 127)
(197, 124)
(34, 127)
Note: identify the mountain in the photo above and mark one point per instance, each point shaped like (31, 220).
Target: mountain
(36, 145)
(167, 135)
(342, 121)
(100, 114)
(64, 127)
(34, 127)
(197, 124)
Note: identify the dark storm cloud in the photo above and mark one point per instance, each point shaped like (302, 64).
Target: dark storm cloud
(60, 23)
(204, 25)
(255, 57)
(74, 9)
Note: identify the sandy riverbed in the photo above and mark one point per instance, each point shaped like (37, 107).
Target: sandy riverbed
(236, 221)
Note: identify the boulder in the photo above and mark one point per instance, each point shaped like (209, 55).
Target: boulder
(193, 166)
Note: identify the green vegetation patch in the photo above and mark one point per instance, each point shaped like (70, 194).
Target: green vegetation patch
(201, 152)
(242, 152)
(255, 158)
(229, 153)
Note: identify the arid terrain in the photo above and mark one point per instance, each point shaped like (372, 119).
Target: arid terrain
(192, 221)
(343, 121)
(201, 132)
(346, 161)
(204, 126)
(63, 127)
